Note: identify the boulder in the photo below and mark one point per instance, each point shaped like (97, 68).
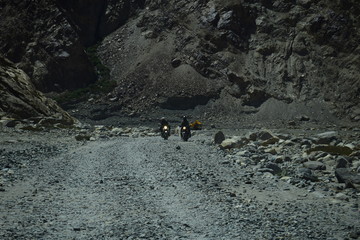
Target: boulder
(342, 162)
(270, 141)
(265, 135)
(326, 137)
(274, 167)
(345, 175)
(306, 174)
(314, 165)
(219, 137)
(234, 142)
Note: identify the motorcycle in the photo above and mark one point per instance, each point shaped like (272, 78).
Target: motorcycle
(185, 133)
(165, 132)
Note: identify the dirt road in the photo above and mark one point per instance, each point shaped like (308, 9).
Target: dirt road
(148, 188)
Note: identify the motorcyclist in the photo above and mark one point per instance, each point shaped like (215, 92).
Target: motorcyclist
(185, 123)
(163, 123)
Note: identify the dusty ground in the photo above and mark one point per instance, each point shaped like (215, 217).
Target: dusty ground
(54, 187)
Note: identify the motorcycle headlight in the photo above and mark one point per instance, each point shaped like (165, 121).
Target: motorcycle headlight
(165, 127)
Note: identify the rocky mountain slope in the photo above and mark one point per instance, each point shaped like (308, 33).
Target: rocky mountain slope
(269, 59)
(239, 56)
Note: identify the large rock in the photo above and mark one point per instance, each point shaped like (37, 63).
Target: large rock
(306, 174)
(326, 137)
(345, 175)
(234, 142)
(20, 100)
(315, 165)
(219, 137)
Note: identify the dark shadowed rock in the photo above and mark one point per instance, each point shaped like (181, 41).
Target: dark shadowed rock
(274, 167)
(345, 175)
(342, 162)
(265, 135)
(219, 137)
(306, 174)
(315, 165)
(175, 62)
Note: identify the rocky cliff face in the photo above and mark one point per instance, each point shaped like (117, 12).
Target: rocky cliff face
(38, 37)
(48, 38)
(179, 54)
(20, 100)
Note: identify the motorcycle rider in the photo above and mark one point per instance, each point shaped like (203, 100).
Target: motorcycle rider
(185, 123)
(163, 123)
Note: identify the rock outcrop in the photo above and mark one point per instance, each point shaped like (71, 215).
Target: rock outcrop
(38, 37)
(20, 100)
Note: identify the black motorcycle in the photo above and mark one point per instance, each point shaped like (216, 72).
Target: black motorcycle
(185, 133)
(165, 132)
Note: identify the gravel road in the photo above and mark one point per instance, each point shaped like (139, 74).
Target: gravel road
(149, 188)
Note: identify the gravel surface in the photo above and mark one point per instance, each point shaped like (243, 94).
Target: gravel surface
(149, 188)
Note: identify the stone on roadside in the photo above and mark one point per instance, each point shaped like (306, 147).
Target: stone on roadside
(326, 137)
(356, 166)
(219, 137)
(342, 162)
(350, 145)
(355, 154)
(270, 141)
(243, 161)
(11, 123)
(304, 118)
(272, 151)
(342, 196)
(285, 178)
(345, 175)
(283, 136)
(252, 136)
(279, 159)
(81, 137)
(234, 142)
(288, 143)
(314, 165)
(265, 135)
(274, 167)
(116, 131)
(175, 62)
(306, 174)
